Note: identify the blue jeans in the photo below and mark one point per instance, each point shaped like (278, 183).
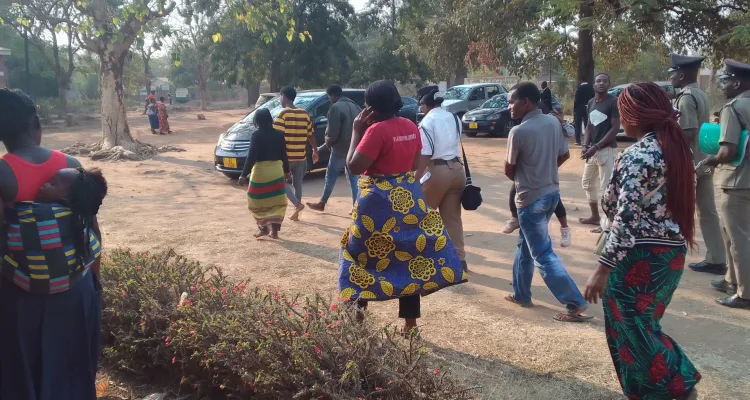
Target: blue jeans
(335, 164)
(535, 248)
(294, 189)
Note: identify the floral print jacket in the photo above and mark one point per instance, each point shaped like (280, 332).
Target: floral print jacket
(635, 202)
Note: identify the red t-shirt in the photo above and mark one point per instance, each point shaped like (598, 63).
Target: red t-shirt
(392, 145)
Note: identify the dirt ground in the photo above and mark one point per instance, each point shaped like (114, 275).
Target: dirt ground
(177, 200)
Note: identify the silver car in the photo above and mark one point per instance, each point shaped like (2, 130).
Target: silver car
(464, 98)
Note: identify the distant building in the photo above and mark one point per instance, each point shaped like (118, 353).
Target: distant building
(3, 80)
(161, 86)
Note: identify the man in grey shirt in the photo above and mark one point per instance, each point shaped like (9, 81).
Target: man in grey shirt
(536, 148)
(338, 137)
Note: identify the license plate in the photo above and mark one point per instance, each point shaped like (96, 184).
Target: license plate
(230, 163)
(473, 125)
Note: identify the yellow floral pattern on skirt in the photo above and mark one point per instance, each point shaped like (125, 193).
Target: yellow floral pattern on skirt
(396, 245)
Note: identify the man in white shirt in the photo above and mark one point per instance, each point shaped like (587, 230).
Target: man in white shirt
(441, 172)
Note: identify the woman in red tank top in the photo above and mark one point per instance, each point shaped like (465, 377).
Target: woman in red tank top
(49, 343)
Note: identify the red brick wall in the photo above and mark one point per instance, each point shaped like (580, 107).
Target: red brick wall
(3, 81)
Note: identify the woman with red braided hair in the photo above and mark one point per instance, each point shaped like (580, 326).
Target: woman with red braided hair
(650, 200)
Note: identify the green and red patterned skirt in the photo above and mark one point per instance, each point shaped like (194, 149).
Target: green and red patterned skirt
(649, 364)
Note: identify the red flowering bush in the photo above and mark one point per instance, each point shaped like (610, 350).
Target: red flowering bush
(171, 319)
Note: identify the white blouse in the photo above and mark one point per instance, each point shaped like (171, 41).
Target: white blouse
(440, 138)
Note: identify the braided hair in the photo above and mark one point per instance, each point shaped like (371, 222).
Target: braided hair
(647, 106)
(86, 195)
(18, 115)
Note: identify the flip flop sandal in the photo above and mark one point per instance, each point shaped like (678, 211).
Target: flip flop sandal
(565, 317)
(510, 298)
(596, 230)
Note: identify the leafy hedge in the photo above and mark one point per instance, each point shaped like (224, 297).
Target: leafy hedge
(168, 317)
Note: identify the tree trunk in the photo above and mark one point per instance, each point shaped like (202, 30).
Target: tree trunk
(147, 74)
(115, 130)
(712, 88)
(62, 95)
(586, 43)
(253, 92)
(461, 74)
(275, 74)
(273, 79)
(63, 99)
(203, 90)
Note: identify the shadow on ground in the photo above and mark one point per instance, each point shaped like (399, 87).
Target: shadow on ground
(495, 380)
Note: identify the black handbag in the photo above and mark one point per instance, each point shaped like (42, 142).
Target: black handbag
(471, 198)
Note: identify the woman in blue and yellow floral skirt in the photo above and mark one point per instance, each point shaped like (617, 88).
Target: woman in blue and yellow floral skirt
(396, 247)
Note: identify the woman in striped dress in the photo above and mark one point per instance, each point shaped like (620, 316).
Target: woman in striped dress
(268, 168)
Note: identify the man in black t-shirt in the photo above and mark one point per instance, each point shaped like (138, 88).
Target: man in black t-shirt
(599, 147)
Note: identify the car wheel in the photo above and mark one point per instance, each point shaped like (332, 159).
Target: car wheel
(507, 127)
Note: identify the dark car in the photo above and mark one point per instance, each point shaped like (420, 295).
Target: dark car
(233, 145)
(492, 118)
(410, 108)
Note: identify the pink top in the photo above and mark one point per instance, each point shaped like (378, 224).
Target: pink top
(31, 177)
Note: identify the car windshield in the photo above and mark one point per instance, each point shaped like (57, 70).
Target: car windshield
(499, 101)
(457, 93)
(615, 91)
(274, 106)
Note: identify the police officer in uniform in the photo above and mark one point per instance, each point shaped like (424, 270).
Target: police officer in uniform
(692, 103)
(734, 204)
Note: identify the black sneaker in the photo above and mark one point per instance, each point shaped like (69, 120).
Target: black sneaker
(724, 286)
(704, 266)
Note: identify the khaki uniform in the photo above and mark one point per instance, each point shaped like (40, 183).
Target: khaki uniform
(734, 203)
(692, 103)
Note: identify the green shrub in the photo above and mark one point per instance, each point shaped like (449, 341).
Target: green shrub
(229, 339)
(45, 108)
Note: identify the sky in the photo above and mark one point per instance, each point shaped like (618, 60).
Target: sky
(358, 4)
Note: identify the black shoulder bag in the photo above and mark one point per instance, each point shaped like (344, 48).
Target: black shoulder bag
(471, 198)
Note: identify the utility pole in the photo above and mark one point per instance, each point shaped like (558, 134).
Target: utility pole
(550, 74)
(26, 61)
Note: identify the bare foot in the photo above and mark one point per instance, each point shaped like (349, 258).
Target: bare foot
(320, 206)
(297, 210)
(592, 220)
(263, 232)
(274, 234)
(409, 326)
